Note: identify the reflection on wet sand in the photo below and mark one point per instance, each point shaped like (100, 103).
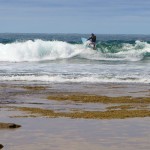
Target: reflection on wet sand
(62, 134)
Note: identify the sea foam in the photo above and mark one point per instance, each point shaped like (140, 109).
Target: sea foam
(75, 79)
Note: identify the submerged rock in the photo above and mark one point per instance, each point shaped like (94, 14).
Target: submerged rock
(9, 125)
(1, 146)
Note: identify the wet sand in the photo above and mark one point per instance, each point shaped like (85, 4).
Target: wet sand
(40, 132)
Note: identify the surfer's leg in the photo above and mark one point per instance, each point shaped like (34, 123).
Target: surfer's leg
(94, 45)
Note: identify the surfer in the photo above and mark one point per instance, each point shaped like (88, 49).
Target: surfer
(92, 38)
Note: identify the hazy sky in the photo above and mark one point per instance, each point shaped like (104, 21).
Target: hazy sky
(75, 16)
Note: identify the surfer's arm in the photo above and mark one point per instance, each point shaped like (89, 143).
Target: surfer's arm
(89, 38)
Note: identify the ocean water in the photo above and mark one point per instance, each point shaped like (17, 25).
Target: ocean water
(62, 58)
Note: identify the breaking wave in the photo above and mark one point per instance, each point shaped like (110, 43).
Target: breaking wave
(40, 50)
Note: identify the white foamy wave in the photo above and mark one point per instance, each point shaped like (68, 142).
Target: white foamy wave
(38, 50)
(80, 79)
(134, 52)
(127, 52)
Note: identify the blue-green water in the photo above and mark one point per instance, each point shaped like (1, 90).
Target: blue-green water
(59, 58)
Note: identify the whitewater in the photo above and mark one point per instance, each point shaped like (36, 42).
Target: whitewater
(63, 58)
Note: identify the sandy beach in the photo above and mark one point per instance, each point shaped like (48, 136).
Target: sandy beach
(62, 122)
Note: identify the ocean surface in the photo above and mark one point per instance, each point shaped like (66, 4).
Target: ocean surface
(62, 58)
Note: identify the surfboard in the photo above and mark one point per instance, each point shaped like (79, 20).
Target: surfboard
(84, 40)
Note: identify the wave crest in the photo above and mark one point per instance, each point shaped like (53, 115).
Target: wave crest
(39, 50)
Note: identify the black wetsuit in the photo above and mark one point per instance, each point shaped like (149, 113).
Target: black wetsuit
(92, 38)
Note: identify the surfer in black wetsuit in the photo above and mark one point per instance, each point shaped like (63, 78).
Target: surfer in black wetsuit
(93, 40)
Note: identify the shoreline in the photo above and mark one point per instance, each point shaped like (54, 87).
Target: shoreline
(103, 89)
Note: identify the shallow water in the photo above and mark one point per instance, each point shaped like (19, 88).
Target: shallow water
(76, 134)
(64, 133)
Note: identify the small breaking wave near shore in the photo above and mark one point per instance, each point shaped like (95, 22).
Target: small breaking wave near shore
(77, 78)
(40, 50)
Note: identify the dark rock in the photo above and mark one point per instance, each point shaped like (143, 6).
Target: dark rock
(9, 125)
(1, 146)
